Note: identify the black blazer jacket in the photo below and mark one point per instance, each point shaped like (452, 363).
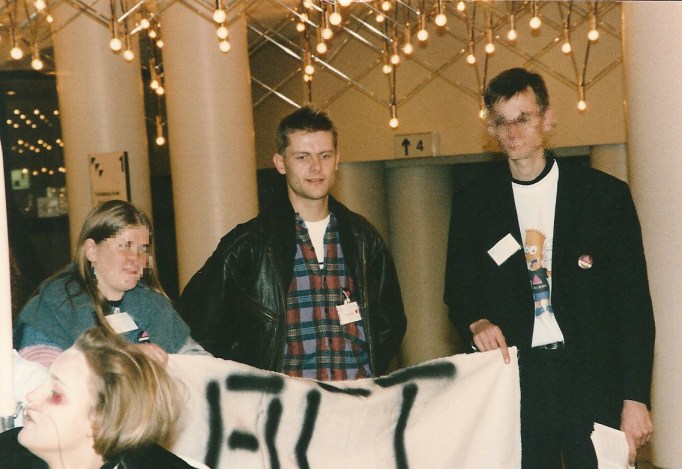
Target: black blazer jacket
(604, 311)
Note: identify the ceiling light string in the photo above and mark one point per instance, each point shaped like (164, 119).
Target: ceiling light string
(566, 46)
(16, 51)
(512, 34)
(489, 39)
(593, 33)
(393, 122)
(535, 22)
(36, 60)
(408, 47)
(470, 23)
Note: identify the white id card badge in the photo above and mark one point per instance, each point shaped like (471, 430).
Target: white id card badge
(348, 312)
(121, 322)
(503, 249)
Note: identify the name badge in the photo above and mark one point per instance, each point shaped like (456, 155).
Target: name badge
(121, 322)
(503, 249)
(348, 313)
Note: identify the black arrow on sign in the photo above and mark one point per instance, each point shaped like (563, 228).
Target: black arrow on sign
(406, 144)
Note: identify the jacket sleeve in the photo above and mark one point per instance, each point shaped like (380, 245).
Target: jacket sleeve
(205, 304)
(633, 301)
(389, 322)
(460, 270)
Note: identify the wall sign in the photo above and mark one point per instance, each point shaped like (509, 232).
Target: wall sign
(109, 178)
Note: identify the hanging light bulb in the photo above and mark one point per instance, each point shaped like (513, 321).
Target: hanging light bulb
(535, 21)
(16, 53)
(566, 46)
(461, 6)
(489, 45)
(40, 5)
(512, 35)
(387, 68)
(160, 139)
(471, 58)
(380, 18)
(128, 55)
(394, 122)
(422, 34)
(224, 46)
(440, 20)
(582, 105)
(154, 84)
(49, 18)
(308, 64)
(115, 44)
(152, 33)
(36, 62)
(307, 4)
(327, 32)
(408, 48)
(321, 47)
(335, 16)
(160, 90)
(307, 78)
(222, 32)
(386, 5)
(219, 15)
(345, 3)
(159, 43)
(144, 23)
(300, 27)
(593, 33)
(395, 56)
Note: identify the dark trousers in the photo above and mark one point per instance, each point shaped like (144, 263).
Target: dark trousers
(555, 422)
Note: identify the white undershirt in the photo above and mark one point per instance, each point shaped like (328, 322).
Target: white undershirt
(535, 206)
(316, 231)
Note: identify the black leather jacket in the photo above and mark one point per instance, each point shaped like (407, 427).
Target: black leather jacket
(235, 304)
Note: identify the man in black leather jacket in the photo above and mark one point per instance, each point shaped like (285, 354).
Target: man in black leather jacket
(242, 304)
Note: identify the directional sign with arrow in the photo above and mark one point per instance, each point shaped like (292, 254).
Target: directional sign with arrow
(416, 145)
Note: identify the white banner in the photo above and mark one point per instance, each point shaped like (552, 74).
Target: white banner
(458, 412)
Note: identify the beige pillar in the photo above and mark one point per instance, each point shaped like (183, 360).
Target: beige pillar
(360, 186)
(611, 159)
(102, 108)
(653, 72)
(419, 204)
(211, 136)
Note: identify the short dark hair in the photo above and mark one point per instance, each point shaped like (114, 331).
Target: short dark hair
(512, 82)
(308, 119)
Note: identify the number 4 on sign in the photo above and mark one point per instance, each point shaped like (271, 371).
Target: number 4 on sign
(415, 145)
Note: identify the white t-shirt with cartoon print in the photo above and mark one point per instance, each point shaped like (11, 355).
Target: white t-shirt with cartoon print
(535, 204)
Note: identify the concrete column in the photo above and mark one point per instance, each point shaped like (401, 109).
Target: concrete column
(360, 186)
(612, 159)
(102, 108)
(419, 204)
(653, 72)
(211, 135)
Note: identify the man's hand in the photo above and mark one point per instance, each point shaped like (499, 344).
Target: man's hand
(636, 423)
(488, 336)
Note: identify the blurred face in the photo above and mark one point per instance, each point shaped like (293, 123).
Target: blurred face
(120, 261)
(57, 422)
(519, 126)
(309, 164)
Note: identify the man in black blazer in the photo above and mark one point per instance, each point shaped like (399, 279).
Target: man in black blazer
(549, 258)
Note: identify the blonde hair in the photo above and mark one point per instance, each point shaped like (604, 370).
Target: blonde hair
(103, 222)
(136, 402)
